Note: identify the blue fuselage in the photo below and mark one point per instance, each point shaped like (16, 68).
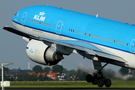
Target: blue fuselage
(109, 33)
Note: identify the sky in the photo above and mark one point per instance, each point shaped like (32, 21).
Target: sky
(12, 47)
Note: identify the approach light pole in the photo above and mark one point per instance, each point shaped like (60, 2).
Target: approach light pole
(2, 72)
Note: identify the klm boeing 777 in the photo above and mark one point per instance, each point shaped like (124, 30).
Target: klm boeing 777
(52, 32)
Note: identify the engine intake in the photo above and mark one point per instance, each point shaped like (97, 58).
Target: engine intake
(39, 52)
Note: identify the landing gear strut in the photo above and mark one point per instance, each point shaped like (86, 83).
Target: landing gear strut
(98, 79)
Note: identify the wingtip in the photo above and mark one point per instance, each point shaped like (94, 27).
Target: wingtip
(4, 27)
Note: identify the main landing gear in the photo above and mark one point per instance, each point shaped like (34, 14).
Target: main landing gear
(98, 79)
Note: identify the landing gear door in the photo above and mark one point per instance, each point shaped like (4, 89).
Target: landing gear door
(132, 46)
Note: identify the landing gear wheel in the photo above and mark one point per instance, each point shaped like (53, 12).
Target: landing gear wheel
(94, 81)
(100, 83)
(89, 78)
(108, 83)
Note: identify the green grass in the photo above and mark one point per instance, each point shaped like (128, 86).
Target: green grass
(68, 84)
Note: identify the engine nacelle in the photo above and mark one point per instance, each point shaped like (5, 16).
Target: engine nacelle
(39, 52)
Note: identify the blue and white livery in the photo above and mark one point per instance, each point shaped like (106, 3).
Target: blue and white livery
(52, 32)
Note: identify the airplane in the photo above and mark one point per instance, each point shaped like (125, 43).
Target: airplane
(52, 32)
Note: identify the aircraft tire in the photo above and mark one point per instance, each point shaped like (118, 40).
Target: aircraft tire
(108, 83)
(94, 81)
(100, 83)
(89, 78)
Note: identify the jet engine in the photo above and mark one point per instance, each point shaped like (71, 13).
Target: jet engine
(39, 52)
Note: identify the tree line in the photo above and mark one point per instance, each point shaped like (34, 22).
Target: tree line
(70, 75)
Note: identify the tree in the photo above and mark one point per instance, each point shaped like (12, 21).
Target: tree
(72, 72)
(47, 69)
(71, 75)
(26, 77)
(32, 77)
(80, 75)
(40, 78)
(57, 69)
(65, 71)
(19, 77)
(37, 69)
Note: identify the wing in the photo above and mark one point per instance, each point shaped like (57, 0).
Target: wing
(80, 46)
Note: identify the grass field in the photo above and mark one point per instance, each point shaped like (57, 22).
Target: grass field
(68, 84)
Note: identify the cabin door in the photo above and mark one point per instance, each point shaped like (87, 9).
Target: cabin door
(24, 18)
(132, 46)
(59, 27)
